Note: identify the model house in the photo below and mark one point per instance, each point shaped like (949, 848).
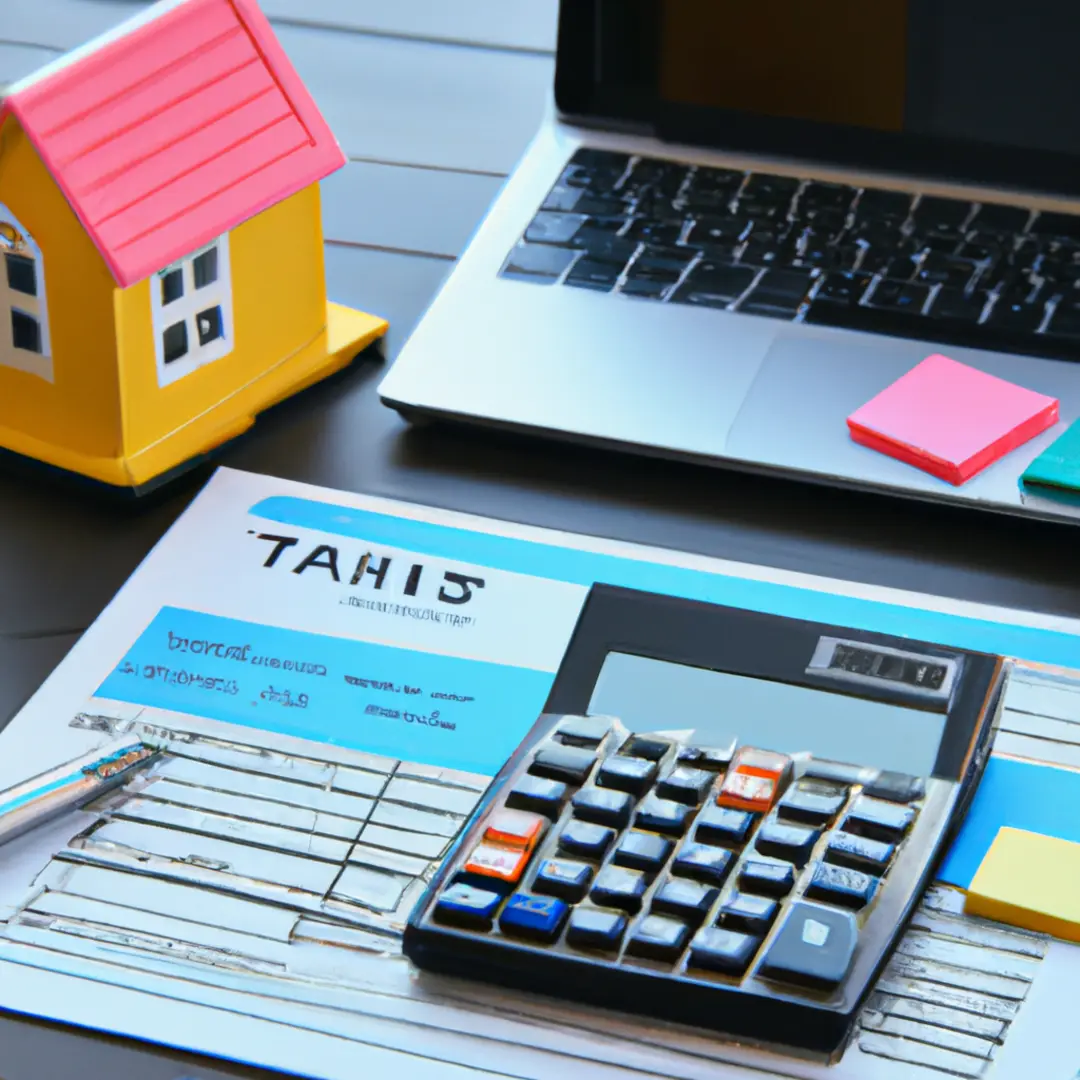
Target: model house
(161, 235)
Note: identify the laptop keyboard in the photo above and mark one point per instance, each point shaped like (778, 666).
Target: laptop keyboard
(982, 275)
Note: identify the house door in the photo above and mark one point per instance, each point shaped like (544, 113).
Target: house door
(24, 335)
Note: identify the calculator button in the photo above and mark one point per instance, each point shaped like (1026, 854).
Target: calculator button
(858, 853)
(663, 815)
(838, 772)
(538, 795)
(515, 828)
(812, 802)
(744, 791)
(792, 843)
(563, 878)
(568, 763)
(592, 929)
(703, 863)
(689, 900)
(761, 763)
(767, 878)
(617, 887)
(642, 851)
(685, 785)
(726, 951)
(718, 825)
(896, 787)
(586, 731)
(658, 938)
(583, 838)
(752, 914)
(497, 863)
(878, 820)
(643, 746)
(603, 806)
(841, 886)
(712, 758)
(538, 917)
(465, 905)
(815, 945)
(627, 774)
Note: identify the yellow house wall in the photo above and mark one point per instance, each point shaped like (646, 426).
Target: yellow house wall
(279, 305)
(80, 409)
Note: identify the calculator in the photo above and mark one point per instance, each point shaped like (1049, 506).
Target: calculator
(722, 818)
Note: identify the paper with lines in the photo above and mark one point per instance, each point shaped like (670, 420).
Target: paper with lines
(244, 893)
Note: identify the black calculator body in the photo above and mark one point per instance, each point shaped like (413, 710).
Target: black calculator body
(722, 818)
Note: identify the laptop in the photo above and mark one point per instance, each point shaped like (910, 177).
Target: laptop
(739, 222)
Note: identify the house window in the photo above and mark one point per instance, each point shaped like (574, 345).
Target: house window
(191, 304)
(24, 321)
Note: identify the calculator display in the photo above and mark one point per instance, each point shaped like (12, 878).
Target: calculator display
(719, 707)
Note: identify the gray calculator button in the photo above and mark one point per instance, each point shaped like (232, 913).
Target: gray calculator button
(815, 945)
(583, 730)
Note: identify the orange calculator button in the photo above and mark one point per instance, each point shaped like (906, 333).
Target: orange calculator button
(754, 780)
(505, 864)
(760, 762)
(515, 828)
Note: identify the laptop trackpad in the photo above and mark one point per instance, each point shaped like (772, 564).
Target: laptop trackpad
(795, 414)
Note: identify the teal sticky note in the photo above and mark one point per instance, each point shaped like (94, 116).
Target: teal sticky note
(1059, 464)
(1021, 794)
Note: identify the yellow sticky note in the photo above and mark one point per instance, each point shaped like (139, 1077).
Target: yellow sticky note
(1031, 881)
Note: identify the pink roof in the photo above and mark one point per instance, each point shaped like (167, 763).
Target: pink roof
(175, 132)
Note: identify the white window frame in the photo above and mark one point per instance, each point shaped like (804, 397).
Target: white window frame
(186, 307)
(39, 363)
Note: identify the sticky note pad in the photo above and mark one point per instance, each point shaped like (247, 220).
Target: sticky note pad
(1030, 881)
(1058, 465)
(951, 420)
(1013, 794)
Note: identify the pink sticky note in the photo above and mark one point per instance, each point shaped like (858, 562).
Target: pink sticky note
(951, 420)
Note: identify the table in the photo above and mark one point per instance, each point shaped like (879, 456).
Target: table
(433, 101)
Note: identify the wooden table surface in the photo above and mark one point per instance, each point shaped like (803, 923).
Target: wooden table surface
(434, 101)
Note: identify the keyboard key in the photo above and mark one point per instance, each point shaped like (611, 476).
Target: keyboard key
(878, 820)
(812, 802)
(620, 888)
(720, 825)
(858, 853)
(726, 951)
(815, 945)
(714, 284)
(689, 900)
(466, 905)
(751, 914)
(903, 296)
(642, 851)
(642, 746)
(710, 758)
(590, 928)
(650, 231)
(1049, 223)
(553, 228)
(936, 269)
(995, 217)
(587, 731)
(663, 815)
(843, 288)
(538, 795)
(495, 867)
(1065, 322)
(658, 938)
(685, 785)
(703, 863)
(965, 307)
(603, 806)
(570, 764)
(938, 214)
(563, 878)
(591, 274)
(841, 886)
(778, 293)
(537, 917)
(877, 205)
(896, 787)
(710, 229)
(515, 828)
(627, 774)
(538, 262)
(1022, 316)
(583, 838)
(818, 193)
(766, 878)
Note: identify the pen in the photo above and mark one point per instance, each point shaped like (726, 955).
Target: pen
(67, 787)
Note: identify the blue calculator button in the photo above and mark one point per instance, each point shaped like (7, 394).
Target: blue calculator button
(767, 878)
(539, 917)
(591, 928)
(753, 914)
(616, 887)
(584, 838)
(537, 794)
(663, 815)
(465, 905)
(703, 863)
(563, 878)
(642, 851)
(726, 951)
(722, 825)
(841, 886)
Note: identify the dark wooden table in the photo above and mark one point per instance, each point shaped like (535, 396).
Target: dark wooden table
(434, 101)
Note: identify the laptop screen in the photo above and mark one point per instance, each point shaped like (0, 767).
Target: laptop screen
(983, 90)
